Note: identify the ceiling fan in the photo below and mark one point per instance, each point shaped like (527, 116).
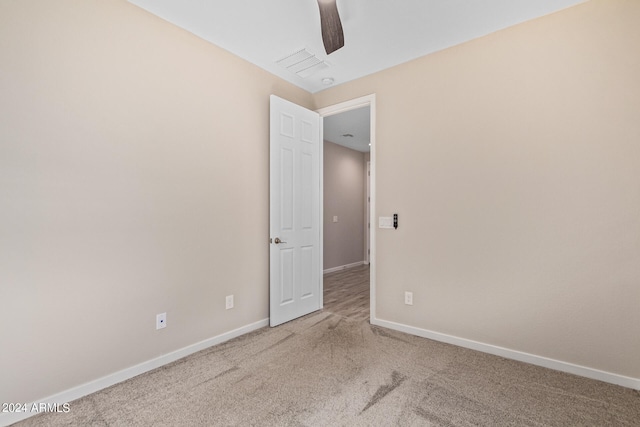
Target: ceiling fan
(332, 35)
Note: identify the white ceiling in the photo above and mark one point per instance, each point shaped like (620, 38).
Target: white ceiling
(378, 33)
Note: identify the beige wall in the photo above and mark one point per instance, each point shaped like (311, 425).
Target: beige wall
(133, 181)
(513, 161)
(344, 188)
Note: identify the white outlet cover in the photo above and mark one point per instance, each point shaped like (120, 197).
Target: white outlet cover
(408, 298)
(229, 302)
(161, 320)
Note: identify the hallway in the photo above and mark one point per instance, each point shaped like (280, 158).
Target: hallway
(346, 292)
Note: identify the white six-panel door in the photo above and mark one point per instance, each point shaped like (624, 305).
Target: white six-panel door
(294, 255)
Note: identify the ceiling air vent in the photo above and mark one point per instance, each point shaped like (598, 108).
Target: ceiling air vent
(302, 63)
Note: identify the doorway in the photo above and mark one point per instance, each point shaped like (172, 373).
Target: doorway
(356, 108)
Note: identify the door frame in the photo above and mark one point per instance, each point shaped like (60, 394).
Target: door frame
(363, 101)
(367, 215)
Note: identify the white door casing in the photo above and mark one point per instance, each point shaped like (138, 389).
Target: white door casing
(367, 213)
(295, 287)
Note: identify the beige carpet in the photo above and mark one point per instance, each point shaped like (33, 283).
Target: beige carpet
(328, 370)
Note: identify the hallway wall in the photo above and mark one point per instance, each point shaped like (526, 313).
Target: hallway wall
(344, 193)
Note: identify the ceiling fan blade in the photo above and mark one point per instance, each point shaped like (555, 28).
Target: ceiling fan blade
(332, 35)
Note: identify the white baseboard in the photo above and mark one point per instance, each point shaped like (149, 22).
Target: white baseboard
(545, 362)
(342, 267)
(125, 374)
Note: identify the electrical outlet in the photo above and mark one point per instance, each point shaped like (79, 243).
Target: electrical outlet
(229, 302)
(408, 298)
(161, 320)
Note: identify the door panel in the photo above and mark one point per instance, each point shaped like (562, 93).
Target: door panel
(295, 276)
(286, 276)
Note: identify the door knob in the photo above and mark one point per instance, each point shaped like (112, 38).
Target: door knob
(277, 240)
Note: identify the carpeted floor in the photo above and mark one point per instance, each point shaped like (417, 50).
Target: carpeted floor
(329, 370)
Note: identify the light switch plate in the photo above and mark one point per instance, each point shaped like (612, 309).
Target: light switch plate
(385, 222)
